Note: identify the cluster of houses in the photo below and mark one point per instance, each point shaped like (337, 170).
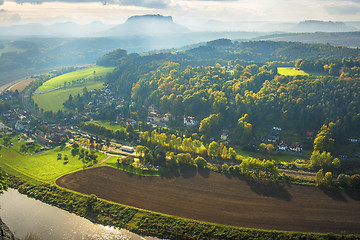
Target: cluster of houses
(274, 137)
(102, 97)
(155, 118)
(52, 134)
(20, 122)
(295, 147)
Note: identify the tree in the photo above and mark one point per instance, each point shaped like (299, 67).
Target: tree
(323, 160)
(130, 128)
(210, 125)
(328, 179)
(4, 179)
(213, 150)
(258, 169)
(319, 177)
(355, 181)
(323, 140)
(344, 180)
(200, 162)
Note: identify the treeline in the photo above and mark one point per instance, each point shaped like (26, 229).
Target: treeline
(214, 150)
(226, 50)
(120, 134)
(346, 68)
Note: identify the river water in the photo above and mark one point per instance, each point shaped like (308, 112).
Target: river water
(26, 216)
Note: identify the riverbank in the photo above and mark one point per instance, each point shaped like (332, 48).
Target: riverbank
(32, 219)
(148, 223)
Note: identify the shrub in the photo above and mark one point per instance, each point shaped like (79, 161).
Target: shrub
(344, 180)
(355, 181)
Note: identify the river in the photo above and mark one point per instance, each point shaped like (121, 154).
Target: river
(26, 216)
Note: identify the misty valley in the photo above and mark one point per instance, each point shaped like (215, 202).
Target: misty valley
(212, 131)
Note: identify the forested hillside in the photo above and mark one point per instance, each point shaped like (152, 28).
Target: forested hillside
(235, 86)
(177, 84)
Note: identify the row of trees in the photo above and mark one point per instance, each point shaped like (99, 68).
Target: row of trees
(120, 134)
(343, 181)
(251, 167)
(215, 150)
(347, 67)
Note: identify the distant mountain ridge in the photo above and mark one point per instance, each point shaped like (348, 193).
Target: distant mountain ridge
(322, 26)
(147, 25)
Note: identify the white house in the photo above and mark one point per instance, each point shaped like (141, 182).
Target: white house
(2, 127)
(353, 139)
(190, 121)
(154, 117)
(296, 147)
(130, 121)
(225, 135)
(168, 116)
(276, 128)
(283, 146)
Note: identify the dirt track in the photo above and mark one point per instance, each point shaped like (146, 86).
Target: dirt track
(216, 198)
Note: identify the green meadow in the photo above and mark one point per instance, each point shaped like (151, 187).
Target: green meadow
(108, 125)
(112, 162)
(54, 100)
(290, 71)
(87, 74)
(43, 167)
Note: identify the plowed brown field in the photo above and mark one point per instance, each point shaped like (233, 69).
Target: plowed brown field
(213, 197)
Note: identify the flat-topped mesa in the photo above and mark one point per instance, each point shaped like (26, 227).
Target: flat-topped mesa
(148, 25)
(156, 17)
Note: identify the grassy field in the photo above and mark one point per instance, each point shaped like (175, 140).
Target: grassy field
(87, 74)
(44, 166)
(277, 158)
(290, 71)
(108, 125)
(112, 162)
(54, 100)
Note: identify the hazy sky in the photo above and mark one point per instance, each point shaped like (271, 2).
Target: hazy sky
(183, 11)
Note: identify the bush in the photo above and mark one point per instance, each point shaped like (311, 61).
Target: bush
(355, 181)
(200, 162)
(344, 180)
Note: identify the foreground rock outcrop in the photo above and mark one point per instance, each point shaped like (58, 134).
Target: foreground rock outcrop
(5, 233)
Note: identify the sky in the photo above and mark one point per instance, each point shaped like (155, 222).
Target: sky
(182, 11)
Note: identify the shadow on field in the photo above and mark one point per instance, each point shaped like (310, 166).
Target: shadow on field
(187, 172)
(269, 189)
(354, 194)
(335, 194)
(205, 173)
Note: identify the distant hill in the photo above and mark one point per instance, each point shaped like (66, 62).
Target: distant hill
(350, 39)
(147, 25)
(321, 26)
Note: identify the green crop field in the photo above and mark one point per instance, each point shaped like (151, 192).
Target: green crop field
(87, 74)
(44, 166)
(290, 71)
(54, 100)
